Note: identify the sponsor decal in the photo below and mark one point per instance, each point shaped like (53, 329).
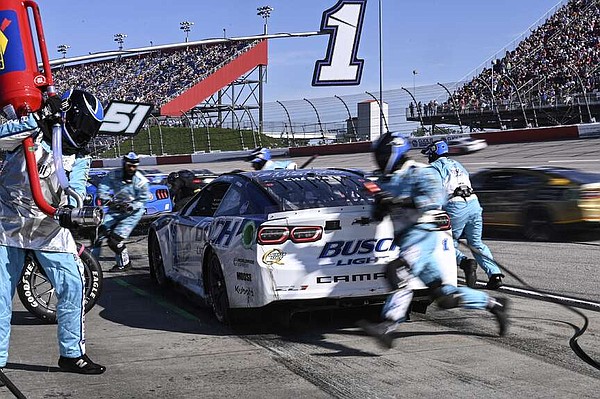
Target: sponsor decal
(357, 247)
(248, 234)
(239, 262)
(244, 276)
(273, 256)
(350, 278)
(249, 292)
(369, 247)
(290, 288)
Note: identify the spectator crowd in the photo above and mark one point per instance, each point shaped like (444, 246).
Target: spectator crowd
(154, 77)
(551, 66)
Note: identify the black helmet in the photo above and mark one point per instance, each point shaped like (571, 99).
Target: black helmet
(83, 115)
(389, 150)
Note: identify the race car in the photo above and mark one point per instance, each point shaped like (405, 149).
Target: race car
(466, 145)
(297, 238)
(159, 203)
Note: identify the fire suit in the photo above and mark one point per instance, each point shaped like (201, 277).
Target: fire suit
(412, 231)
(24, 227)
(126, 205)
(465, 212)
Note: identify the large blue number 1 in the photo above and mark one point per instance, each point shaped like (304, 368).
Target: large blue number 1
(341, 67)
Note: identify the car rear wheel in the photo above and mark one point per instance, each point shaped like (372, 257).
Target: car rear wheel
(538, 225)
(217, 290)
(157, 267)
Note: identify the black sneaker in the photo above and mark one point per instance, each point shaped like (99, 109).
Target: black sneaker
(469, 267)
(81, 365)
(495, 282)
(382, 332)
(499, 308)
(118, 268)
(1, 381)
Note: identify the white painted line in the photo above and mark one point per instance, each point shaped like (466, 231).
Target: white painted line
(573, 160)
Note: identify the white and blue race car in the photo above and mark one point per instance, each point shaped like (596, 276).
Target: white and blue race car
(302, 238)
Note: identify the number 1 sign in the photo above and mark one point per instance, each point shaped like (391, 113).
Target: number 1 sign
(343, 23)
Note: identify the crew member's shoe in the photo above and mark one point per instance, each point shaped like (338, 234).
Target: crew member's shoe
(81, 365)
(119, 268)
(495, 282)
(469, 267)
(382, 332)
(499, 308)
(1, 382)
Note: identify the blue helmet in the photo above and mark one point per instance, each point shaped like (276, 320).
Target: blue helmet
(390, 151)
(435, 150)
(83, 114)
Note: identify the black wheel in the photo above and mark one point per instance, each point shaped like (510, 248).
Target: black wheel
(157, 267)
(538, 225)
(37, 293)
(217, 290)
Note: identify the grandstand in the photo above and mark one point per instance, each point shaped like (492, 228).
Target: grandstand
(552, 77)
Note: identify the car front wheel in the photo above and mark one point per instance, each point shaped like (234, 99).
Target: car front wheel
(538, 225)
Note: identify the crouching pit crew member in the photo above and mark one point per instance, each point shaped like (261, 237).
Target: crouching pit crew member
(125, 191)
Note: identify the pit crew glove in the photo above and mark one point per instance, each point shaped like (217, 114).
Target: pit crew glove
(51, 110)
(385, 202)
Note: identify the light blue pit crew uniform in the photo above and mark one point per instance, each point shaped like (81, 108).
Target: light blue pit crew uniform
(416, 240)
(122, 222)
(465, 213)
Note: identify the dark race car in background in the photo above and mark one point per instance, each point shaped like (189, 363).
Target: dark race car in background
(540, 202)
(297, 238)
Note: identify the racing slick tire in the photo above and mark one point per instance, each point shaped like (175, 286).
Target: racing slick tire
(217, 290)
(538, 225)
(157, 267)
(37, 294)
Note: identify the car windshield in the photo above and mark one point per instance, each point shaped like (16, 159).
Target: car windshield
(310, 190)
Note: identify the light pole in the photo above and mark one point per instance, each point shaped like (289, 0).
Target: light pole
(120, 38)
(265, 13)
(62, 48)
(186, 26)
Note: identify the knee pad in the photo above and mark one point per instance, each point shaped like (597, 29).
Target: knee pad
(397, 273)
(116, 243)
(444, 301)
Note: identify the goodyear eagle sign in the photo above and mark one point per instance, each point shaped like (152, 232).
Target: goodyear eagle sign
(10, 38)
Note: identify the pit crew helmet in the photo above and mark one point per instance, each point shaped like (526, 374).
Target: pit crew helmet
(435, 150)
(82, 113)
(259, 157)
(390, 151)
(131, 158)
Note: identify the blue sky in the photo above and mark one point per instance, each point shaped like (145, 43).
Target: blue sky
(444, 40)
